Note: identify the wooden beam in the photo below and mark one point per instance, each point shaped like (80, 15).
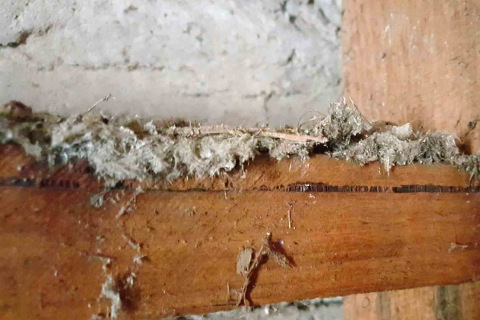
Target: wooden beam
(174, 250)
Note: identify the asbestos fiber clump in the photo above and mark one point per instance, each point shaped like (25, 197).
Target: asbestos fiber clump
(399, 146)
(123, 148)
(280, 149)
(339, 126)
(470, 164)
(118, 152)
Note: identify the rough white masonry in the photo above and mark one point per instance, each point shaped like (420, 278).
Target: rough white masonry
(237, 61)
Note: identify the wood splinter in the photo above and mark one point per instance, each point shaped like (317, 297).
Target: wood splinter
(290, 215)
(249, 262)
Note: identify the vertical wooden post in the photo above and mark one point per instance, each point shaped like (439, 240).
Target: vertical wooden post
(418, 62)
(444, 302)
(415, 61)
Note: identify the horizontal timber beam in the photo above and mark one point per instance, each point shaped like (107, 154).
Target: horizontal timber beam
(172, 250)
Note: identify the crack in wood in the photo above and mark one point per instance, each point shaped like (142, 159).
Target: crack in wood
(310, 187)
(413, 188)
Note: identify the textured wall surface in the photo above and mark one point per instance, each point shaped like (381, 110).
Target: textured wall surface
(317, 309)
(238, 62)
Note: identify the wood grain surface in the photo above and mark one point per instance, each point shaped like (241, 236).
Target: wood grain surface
(415, 61)
(418, 62)
(354, 229)
(436, 302)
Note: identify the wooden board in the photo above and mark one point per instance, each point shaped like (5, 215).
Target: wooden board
(414, 61)
(354, 229)
(437, 302)
(418, 62)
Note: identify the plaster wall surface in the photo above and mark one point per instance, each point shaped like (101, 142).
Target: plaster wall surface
(317, 309)
(236, 62)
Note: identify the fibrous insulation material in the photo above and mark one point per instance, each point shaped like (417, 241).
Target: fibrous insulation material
(121, 148)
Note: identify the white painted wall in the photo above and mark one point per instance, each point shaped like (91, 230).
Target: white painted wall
(232, 61)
